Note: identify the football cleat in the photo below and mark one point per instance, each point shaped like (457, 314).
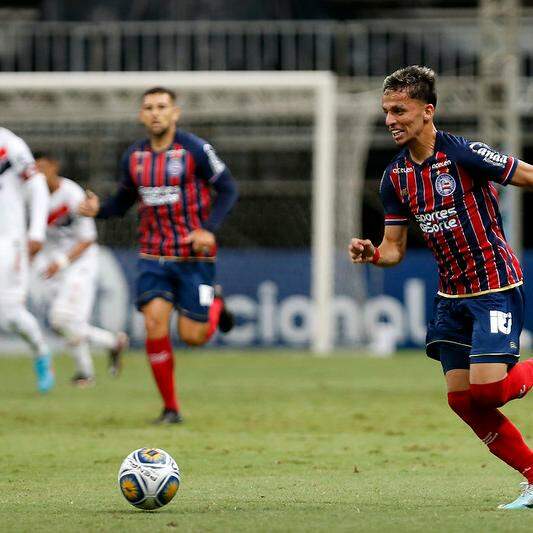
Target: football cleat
(226, 320)
(82, 381)
(169, 416)
(115, 354)
(524, 501)
(44, 372)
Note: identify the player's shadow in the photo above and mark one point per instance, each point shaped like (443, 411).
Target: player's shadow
(136, 511)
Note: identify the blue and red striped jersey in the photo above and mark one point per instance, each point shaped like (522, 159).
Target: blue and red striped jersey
(173, 191)
(452, 198)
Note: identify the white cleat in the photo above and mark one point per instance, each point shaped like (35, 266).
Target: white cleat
(524, 501)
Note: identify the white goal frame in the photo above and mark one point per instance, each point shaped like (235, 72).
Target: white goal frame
(324, 88)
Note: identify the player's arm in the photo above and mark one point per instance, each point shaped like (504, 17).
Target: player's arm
(36, 192)
(215, 171)
(63, 261)
(389, 253)
(523, 175)
(116, 205)
(37, 196)
(226, 196)
(84, 230)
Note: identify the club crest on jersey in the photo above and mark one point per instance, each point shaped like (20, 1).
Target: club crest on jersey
(174, 167)
(445, 184)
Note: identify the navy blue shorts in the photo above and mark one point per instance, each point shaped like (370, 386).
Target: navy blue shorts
(479, 329)
(188, 285)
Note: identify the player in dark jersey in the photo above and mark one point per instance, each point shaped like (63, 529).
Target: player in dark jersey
(171, 175)
(444, 183)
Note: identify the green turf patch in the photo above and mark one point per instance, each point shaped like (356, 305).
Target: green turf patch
(272, 442)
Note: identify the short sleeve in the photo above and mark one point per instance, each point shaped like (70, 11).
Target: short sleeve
(484, 162)
(396, 214)
(20, 157)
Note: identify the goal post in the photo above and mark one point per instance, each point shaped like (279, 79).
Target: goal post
(33, 95)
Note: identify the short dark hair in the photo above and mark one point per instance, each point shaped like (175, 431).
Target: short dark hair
(160, 90)
(45, 154)
(419, 82)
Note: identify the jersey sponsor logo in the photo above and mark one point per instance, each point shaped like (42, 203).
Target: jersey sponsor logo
(445, 184)
(175, 167)
(500, 322)
(217, 165)
(402, 170)
(441, 164)
(169, 194)
(436, 221)
(489, 155)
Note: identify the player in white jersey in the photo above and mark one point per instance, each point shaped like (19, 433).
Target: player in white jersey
(22, 232)
(67, 267)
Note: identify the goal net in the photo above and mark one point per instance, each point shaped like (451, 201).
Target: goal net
(297, 148)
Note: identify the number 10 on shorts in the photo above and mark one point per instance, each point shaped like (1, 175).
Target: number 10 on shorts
(500, 322)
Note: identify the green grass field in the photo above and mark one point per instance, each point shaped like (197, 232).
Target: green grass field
(273, 441)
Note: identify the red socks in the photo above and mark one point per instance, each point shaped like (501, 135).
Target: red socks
(159, 353)
(515, 385)
(496, 431)
(214, 316)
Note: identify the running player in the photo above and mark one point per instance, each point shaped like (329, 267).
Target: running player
(20, 182)
(67, 266)
(171, 175)
(444, 183)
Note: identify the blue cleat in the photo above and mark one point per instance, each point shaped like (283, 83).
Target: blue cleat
(524, 501)
(44, 372)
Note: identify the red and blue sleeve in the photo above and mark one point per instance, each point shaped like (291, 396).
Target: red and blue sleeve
(485, 162)
(396, 214)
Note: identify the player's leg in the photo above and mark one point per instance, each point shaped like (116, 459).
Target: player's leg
(496, 375)
(155, 297)
(450, 335)
(495, 384)
(69, 316)
(157, 313)
(498, 321)
(201, 305)
(495, 430)
(15, 317)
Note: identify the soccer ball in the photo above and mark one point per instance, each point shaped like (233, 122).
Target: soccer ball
(149, 478)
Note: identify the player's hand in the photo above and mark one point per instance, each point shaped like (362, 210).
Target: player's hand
(51, 270)
(361, 250)
(90, 206)
(34, 247)
(202, 241)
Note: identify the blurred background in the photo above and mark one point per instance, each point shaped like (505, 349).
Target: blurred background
(481, 50)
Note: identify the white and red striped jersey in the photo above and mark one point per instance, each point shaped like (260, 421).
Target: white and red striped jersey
(17, 170)
(65, 226)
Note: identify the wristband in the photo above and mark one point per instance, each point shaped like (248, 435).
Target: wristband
(62, 261)
(376, 256)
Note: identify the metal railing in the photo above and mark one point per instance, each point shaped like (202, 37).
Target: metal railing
(364, 48)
